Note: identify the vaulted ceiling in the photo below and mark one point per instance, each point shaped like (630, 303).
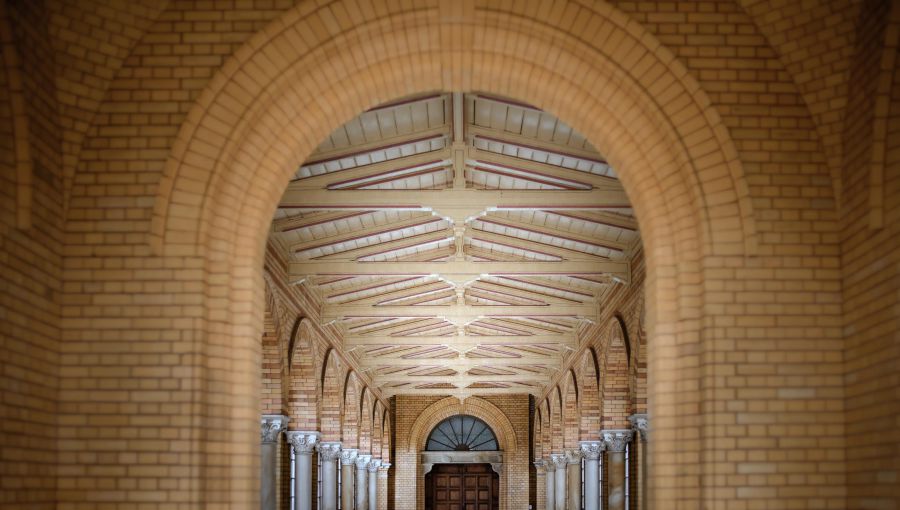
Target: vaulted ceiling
(458, 240)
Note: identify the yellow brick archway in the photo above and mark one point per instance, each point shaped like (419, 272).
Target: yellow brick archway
(295, 81)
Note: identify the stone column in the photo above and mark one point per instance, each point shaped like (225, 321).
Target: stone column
(615, 441)
(641, 425)
(303, 443)
(272, 426)
(329, 453)
(362, 484)
(559, 461)
(591, 450)
(540, 475)
(383, 485)
(348, 461)
(550, 482)
(573, 478)
(374, 464)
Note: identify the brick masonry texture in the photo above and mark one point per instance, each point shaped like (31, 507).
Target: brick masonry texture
(145, 145)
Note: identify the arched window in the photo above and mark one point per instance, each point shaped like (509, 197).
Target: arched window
(462, 433)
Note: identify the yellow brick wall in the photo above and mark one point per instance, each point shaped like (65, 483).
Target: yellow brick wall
(766, 310)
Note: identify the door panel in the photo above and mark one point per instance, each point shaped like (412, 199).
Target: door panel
(462, 487)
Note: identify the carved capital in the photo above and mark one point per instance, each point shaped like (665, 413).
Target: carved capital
(549, 466)
(348, 457)
(616, 439)
(329, 451)
(303, 442)
(374, 464)
(272, 425)
(573, 456)
(640, 423)
(362, 461)
(591, 450)
(540, 465)
(558, 460)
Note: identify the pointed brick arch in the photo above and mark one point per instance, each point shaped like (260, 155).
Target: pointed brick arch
(556, 424)
(273, 102)
(330, 396)
(350, 424)
(377, 429)
(365, 422)
(546, 428)
(589, 404)
(386, 437)
(570, 412)
(615, 378)
(302, 401)
(538, 428)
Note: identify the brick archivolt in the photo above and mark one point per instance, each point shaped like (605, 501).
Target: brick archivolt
(451, 406)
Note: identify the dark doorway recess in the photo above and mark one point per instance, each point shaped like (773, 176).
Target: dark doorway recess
(462, 487)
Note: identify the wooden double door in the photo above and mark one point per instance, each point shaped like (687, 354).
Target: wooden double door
(462, 487)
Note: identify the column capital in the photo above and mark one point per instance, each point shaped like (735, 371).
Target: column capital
(348, 456)
(549, 466)
(362, 461)
(616, 439)
(558, 460)
(385, 466)
(591, 450)
(641, 424)
(573, 456)
(329, 450)
(303, 441)
(272, 425)
(374, 464)
(540, 465)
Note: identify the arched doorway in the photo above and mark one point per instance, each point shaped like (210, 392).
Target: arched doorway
(462, 464)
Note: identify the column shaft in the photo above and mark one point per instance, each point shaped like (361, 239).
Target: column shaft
(373, 484)
(559, 461)
(362, 482)
(348, 460)
(616, 441)
(591, 451)
(329, 453)
(303, 444)
(573, 478)
(272, 426)
(550, 483)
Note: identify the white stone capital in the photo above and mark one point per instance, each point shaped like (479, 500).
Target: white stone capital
(540, 465)
(374, 464)
(329, 451)
(385, 466)
(640, 423)
(303, 442)
(559, 460)
(348, 456)
(616, 439)
(362, 461)
(591, 450)
(272, 425)
(573, 456)
(549, 466)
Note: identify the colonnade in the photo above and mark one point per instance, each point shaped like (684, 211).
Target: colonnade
(363, 478)
(562, 471)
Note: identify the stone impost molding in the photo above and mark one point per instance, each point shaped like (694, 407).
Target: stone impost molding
(272, 425)
(304, 442)
(348, 457)
(374, 464)
(616, 439)
(540, 465)
(640, 423)
(362, 461)
(591, 450)
(329, 451)
(559, 460)
(573, 456)
(385, 466)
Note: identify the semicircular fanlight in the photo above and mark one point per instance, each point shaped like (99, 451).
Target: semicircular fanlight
(462, 433)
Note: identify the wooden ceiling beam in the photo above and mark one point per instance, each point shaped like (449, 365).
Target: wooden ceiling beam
(457, 312)
(424, 160)
(363, 340)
